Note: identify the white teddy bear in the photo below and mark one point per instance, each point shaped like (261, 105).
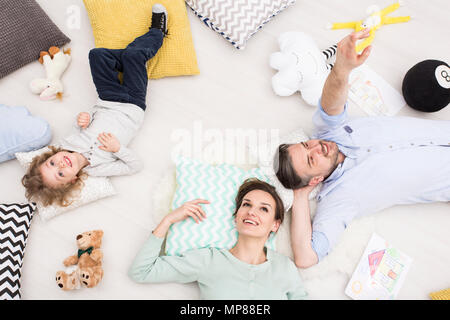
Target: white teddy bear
(301, 66)
(55, 62)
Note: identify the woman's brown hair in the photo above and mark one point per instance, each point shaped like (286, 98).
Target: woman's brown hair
(37, 190)
(256, 184)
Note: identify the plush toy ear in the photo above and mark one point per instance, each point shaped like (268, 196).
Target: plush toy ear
(285, 83)
(278, 60)
(38, 85)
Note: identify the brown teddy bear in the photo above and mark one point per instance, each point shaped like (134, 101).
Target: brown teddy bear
(84, 268)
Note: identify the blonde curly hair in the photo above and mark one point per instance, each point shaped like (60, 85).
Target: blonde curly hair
(38, 191)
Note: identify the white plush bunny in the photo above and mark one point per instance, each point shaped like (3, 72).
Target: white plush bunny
(301, 66)
(55, 63)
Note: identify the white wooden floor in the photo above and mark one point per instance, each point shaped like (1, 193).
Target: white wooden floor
(233, 91)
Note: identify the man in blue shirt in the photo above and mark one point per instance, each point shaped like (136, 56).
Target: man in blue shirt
(365, 164)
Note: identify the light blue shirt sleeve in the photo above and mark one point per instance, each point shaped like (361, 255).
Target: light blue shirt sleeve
(333, 215)
(323, 122)
(320, 244)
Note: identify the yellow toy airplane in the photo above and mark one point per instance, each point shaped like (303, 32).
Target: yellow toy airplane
(374, 21)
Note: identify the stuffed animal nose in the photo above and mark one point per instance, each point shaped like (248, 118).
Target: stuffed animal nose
(60, 285)
(79, 237)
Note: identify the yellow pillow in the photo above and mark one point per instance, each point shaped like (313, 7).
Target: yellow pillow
(441, 295)
(116, 23)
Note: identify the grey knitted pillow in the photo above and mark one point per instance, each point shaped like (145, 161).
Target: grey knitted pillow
(25, 30)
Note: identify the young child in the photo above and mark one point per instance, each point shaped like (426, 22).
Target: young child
(98, 148)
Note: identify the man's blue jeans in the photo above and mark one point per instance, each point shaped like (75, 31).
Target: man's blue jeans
(107, 63)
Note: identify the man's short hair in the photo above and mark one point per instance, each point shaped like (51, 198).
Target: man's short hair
(284, 169)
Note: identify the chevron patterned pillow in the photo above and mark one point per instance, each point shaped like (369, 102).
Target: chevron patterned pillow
(218, 184)
(15, 220)
(237, 20)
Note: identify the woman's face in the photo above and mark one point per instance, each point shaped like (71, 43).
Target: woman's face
(256, 215)
(60, 169)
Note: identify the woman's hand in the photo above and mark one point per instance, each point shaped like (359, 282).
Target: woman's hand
(109, 142)
(83, 119)
(188, 209)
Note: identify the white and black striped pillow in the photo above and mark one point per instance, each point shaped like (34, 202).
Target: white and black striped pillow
(237, 20)
(15, 220)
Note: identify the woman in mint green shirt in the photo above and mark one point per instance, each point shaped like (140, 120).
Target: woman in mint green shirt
(249, 270)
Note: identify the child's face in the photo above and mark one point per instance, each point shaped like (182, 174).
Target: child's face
(60, 169)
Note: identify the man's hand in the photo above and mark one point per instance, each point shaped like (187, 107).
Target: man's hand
(304, 191)
(83, 119)
(347, 58)
(335, 89)
(109, 142)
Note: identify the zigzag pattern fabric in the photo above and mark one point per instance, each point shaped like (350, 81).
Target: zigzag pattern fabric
(15, 220)
(218, 184)
(237, 20)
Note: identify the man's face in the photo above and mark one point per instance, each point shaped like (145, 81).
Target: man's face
(314, 158)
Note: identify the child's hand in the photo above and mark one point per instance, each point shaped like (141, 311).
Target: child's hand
(109, 142)
(83, 119)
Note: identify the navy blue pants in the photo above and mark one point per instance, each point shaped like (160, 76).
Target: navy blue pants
(107, 63)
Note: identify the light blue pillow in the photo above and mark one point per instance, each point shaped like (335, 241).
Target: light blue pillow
(20, 131)
(218, 184)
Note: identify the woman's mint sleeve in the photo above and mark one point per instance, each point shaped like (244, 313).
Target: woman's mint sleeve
(149, 267)
(297, 290)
